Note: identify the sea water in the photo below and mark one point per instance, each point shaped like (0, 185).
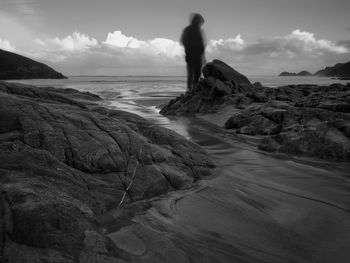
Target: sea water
(162, 85)
(144, 95)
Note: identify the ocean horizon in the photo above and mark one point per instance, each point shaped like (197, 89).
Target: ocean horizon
(265, 80)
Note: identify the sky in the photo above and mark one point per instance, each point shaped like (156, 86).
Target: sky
(141, 37)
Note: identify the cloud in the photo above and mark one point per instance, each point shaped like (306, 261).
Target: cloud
(79, 53)
(306, 42)
(118, 54)
(74, 42)
(6, 45)
(117, 39)
(61, 49)
(157, 46)
(232, 44)
(344, 43)
(296, 43)
(295, 51)
(165, 46)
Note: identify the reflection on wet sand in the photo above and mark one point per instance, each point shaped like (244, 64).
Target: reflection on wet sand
(258, 208)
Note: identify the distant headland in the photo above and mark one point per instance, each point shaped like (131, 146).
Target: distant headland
(14, 66)
(339, 70)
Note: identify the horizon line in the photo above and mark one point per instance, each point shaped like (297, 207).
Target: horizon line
(148, 76)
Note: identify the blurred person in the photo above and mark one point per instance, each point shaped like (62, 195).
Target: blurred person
(193, 40)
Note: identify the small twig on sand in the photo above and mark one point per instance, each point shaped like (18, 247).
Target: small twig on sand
(131, 180)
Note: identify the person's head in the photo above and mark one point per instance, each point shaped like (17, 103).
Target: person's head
(196, 19)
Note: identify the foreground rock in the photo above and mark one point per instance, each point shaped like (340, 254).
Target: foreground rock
(303, 120)
(14, 66)
(64, 162)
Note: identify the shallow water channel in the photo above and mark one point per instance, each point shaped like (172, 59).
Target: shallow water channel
(258, 207)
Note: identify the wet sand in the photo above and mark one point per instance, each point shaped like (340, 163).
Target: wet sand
(258, 207)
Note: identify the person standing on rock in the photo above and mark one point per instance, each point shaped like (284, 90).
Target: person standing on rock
(192, 39)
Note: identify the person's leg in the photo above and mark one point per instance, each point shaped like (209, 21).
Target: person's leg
(189, 76)
(197, 70)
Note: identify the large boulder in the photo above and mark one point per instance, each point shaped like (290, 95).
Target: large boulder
(64, 162)
(217, 86)
(220, 70)
(222, 85)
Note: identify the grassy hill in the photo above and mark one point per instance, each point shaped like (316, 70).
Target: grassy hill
(14, 66)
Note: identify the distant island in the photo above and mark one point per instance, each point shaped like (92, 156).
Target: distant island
(301, 73)
(339, 70)
(14, 66)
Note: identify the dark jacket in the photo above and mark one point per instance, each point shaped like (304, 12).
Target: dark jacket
(192, 39)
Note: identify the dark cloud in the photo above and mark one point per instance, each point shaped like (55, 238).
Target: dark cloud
(344, 43)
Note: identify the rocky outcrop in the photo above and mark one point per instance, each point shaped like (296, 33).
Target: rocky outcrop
(64, 161)
(305, 120)
(221, 85)
(14, 66)
(221, 71)
(303, 73)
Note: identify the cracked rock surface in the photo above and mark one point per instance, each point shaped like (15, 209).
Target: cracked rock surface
(64, 161)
